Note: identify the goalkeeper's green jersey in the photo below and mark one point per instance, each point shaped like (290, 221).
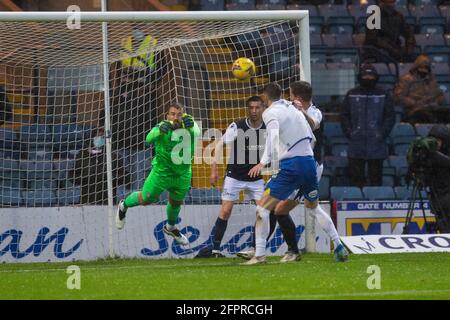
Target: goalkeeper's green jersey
(169, 159)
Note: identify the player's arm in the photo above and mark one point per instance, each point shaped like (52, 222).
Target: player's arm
(229, 136)
(269, 155)
(162, 128)
(311, 121)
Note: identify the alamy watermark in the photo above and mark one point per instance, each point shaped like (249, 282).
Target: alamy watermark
(74, 279)
(374, 19)
(374, 280)
(74, 20)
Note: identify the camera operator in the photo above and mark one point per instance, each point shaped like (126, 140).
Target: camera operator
(439, 178)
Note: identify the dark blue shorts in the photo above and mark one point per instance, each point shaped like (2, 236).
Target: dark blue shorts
(295, 173)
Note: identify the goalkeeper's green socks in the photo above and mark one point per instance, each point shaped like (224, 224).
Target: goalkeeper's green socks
(172, 214)
(132, 200)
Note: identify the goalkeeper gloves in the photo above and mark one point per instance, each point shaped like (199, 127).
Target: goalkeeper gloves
(188, 121)
(165, 126)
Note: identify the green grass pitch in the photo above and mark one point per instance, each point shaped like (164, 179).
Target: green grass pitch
(317, 276)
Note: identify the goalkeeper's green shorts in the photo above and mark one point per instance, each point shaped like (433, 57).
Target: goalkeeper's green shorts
(156, 184)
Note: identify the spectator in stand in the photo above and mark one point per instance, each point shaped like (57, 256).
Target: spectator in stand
(90, 172)
(387, 39)
(367, 119)
(419, 93)
(5, 107)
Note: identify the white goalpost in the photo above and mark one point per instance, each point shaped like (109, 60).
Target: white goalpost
(79, 103)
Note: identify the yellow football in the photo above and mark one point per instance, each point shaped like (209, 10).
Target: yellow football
(243, 68)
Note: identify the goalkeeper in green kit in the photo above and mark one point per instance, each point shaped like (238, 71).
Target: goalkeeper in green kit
(171, 169)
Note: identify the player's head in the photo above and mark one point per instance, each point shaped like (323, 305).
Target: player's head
(301, 91)
(272, 92)
(255, 108)
(174, 113)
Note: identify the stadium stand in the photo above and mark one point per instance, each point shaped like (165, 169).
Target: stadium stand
(337, 33)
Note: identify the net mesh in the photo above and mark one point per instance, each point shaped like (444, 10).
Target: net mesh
(51, 82)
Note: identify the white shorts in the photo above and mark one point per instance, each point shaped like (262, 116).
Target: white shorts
(319, 171)
(231, 188)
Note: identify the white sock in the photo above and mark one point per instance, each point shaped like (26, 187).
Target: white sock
(262, 229)
(169, 227)
(326, 224)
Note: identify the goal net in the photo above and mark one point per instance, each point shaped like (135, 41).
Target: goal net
(58, 133)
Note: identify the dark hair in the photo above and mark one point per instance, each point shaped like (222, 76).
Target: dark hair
(273, 91)
(254, 99)
(302, 89)
(175, 105)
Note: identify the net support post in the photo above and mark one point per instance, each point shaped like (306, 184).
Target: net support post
(108, 131)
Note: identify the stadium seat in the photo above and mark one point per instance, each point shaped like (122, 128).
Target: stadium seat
(424, 40)
(397, 162)
(339, 25)
(37, 169)
(357, 10)
(268, 6)
(274, 2)
(440, 68)
(212, 5)
(402, 174)
(318, 55)
(140, 167)
(403, 68)
(10, 197)
(432, 25)
(316, 24)
(9, 183)
(336, 164)
(339, 150)
(379, 193)
(315, 40)
(402, 133)
(438, 54)
(240, 5)
(41, 184)
(329, 10)
(69, 136)
(333, 134)
(311, 8)
(403, 9)
(337, 40)
(404, 193)
(388, 181)
(40, 155)
(205, 196)
(423, 128)
(67, 197)
(421, 11)
(35, 136)
(344, 55)
(346, 193)
(9, 144)
(444, 86)
(39, 198)
(401, 149)
(63, 168)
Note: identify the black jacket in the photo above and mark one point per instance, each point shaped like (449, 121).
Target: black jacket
(393, 25)
(440, 162)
